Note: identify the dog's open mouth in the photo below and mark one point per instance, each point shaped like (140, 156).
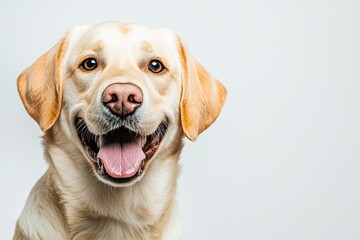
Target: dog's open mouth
(121, 154)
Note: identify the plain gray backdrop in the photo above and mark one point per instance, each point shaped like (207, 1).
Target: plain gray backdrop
(282, 160)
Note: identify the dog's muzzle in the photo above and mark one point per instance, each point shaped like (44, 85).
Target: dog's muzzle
(121, 154)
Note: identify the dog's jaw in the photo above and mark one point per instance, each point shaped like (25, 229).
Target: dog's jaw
(119, 157)
(81, 192)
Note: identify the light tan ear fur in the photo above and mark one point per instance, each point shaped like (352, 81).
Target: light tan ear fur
(202, 96)
(40, 86)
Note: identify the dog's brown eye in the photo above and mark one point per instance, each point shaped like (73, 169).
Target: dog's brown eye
(156, 66)
(89, 64)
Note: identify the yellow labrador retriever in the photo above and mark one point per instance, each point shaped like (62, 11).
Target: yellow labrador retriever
(114, 102)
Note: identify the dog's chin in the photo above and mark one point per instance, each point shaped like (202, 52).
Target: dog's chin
(121, 156)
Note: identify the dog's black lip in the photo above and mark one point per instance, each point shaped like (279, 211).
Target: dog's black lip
(89, 144)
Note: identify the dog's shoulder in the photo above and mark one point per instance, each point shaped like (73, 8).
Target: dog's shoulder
(43, 208)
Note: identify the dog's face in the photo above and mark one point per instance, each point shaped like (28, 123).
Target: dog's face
(123, 94)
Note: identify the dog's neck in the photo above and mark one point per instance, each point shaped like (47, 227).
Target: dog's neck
(139, 211)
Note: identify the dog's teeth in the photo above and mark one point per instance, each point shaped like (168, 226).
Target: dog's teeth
(100, 164)
(143, 141)
(99, 142)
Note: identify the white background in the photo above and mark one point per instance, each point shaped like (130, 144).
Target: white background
(281, 162)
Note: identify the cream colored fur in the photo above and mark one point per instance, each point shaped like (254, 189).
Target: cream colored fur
(71, 201)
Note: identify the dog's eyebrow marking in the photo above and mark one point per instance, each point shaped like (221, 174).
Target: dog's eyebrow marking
(146, 47)
(98, 46)
(93, 47)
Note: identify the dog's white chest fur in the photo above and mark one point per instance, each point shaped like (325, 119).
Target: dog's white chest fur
(119, 213)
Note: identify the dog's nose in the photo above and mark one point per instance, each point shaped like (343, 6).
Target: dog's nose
(122, 98)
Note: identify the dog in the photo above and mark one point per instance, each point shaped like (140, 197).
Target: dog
(115, 102)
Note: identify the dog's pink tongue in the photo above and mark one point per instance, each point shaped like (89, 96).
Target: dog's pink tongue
(122, 159)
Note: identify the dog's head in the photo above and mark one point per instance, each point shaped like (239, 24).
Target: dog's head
(119, 93)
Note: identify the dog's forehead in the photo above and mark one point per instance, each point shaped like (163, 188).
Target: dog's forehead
(114, 36)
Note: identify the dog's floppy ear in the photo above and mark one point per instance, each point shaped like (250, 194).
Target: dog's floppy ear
(202, 96)
(40, 86)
